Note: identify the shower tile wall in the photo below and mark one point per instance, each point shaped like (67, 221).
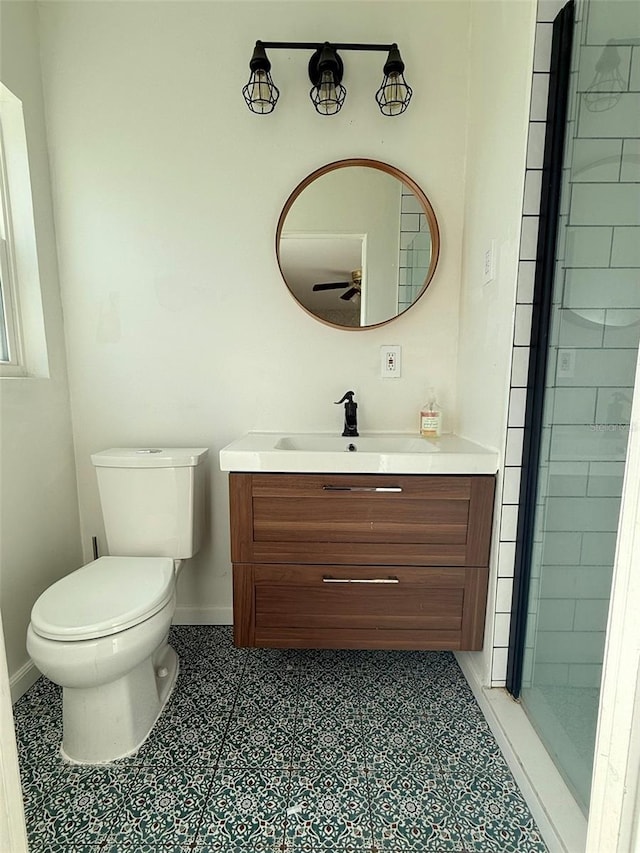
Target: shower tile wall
(415, 249)
(595, 339)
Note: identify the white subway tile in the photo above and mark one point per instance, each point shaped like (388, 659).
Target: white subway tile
(622, 328)
(517, 404)
(556, 614)
(565, 484)
(526, 281)
(619, 123)
(522, 330)
(587, 246)
(605, 367)
(535, 145)
(631, 159)
(509, 523)
(562, 549)
(576, 331)
(582, 514)
(532, 191)
(598, 549)
(551, 674)
(601, 288)
(506, 559)
(591, 614)
(596, 160)
(574, 405)
(504, 592)
(586, 442)
(634, 78)
(574, 582)
(409, 222)
(605, 204)
(626, 246)
(501, 629)
(542, 47)
(410, 204)
(499, 666)
(529, 238)
(539, 97)
(569, 646)
(519, 367)
(513, 453)
(603, 25)
(511, 485)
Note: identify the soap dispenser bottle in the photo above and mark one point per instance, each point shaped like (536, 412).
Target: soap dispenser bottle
(431, 417)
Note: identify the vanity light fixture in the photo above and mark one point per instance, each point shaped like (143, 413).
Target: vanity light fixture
(325, 72)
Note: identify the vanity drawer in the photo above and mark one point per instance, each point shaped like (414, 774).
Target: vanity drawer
(338, 606)
(361, 519)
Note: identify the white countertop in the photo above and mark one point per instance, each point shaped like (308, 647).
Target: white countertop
(375, 453)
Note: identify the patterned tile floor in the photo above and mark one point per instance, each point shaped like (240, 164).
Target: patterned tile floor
(267, 751)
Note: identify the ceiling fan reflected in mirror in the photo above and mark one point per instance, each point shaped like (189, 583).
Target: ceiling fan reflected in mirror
(355, 285)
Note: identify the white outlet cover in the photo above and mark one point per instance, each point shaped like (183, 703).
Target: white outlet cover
(391, 361)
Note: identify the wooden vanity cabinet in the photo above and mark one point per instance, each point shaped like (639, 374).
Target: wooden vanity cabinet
(365, 561)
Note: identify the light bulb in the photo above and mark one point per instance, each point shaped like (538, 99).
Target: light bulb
(260, 92)
(395, 93)
(328, 95)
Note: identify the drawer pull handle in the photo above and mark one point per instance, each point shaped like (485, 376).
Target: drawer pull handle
(360, 580)
(362, 488)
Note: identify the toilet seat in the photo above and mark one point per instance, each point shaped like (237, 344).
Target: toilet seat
(104, 597)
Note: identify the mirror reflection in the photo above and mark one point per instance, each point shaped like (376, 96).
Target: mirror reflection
(357, 243)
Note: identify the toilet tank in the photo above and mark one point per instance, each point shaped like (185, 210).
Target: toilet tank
(152, 500)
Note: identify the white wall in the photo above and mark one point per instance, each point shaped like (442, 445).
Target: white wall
(167, 194)
(501, 53)
(40, 539)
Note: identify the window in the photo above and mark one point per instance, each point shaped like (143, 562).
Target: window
(23, 348)
(10, 352)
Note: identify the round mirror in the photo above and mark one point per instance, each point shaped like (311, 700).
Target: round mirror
(357, 243)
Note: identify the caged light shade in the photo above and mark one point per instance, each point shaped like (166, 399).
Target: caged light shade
(260, 93)
(394, 94)
(325, 72)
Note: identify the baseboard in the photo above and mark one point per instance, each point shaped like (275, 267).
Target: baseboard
(23, 679)
(186, 615)
(558, 816)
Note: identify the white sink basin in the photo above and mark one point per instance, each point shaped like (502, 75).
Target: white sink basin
(361, 444)
(370, 453)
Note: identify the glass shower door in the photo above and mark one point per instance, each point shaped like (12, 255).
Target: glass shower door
(593, 340)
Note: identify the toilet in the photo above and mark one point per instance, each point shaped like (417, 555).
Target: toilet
(101, 632)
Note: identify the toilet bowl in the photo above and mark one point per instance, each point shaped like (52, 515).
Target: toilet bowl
(101, 633)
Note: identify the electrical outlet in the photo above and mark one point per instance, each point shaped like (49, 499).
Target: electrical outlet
(390, 361)
(566, 363)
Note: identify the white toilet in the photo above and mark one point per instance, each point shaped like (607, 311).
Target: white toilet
(101, 632)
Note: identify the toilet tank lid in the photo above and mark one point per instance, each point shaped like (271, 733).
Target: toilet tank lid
(149, 457)
(104, 597)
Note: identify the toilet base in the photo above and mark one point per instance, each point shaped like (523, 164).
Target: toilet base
(111, 721)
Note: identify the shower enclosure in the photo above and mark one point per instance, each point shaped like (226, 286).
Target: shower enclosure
(585, 337)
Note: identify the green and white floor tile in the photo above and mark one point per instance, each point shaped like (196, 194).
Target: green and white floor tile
(268, 751)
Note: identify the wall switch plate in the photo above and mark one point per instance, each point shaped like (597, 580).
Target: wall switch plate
(391, 361)
(489, 270)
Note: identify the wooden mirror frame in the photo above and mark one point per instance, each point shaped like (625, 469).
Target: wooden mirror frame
(403, 178)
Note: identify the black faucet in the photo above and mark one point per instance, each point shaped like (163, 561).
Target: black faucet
(350, 414)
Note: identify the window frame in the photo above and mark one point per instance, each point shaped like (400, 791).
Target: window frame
(10, 335)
